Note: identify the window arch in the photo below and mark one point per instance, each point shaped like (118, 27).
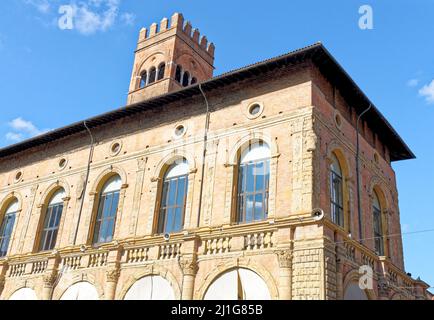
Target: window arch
(143, 78)
(378, 225)
(178, 73)
(185, 79)
(107, 211)
(336, 192)
(152, 75)
(161, 70)
(52, 217)
(173, 197)
(7, 226)
(253, 182)
(193, 80)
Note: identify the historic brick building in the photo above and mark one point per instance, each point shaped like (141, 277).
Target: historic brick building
(239, 186)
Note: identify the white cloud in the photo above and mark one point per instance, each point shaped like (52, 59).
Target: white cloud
(43, 6)
(12, 136)
(412, 82)
(88, 16)
(128, 18)
(427, 91)
(95, 15)
(22, 129)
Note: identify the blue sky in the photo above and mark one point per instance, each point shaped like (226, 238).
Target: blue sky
(51, 77)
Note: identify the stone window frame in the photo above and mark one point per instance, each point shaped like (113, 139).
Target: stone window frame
(115, 153)
(42, 211)
(3, 207)
(232, 173)
(257, 115)
(94, 194)
(376, 188)
(346, 186)
(152, 61)
(18, 176)
(155, 188)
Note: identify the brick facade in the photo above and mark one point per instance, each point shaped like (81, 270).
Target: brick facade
(304, 120)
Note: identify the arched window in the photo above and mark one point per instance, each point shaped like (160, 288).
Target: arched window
(253, 182)
(336, 194)
(52, 218)
(152, 75)
(143, 77)
(7, 226)
(185, 79)
(161, 70)
(107, 210)
(178, 73)
(378, 226)
(193, 80)
(173, 197)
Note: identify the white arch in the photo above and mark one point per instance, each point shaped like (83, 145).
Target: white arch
(150, 288)
(81, 291)
(230, 285)
(24, 294)
(113, 184)
(13, 207)
(257, 150)
(178, 168)
(353, 292)
(58, 197)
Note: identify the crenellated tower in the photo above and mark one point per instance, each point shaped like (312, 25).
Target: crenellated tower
(169, 56)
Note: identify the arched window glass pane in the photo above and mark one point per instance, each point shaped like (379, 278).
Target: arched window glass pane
(161, 70)
(193, 80)
(336, 192)
(7, 226)
(143, 79)
(107, 210)
(152, 75)
(253, 182)
(52, 218)
(173, 198)
(178, 74)
(185, 79)
(378, 227)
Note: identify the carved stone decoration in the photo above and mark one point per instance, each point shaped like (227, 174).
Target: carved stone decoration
(113, 275)
(383, 288)
(285, 259)
(189, 266)
(49, 279)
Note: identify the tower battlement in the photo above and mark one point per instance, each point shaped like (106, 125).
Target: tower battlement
(177, 23)
(169, 55)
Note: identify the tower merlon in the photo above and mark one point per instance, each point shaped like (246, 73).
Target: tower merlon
(187, 28)
(177, 22)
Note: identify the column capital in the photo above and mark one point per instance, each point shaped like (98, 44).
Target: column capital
(189, 266)
(285, 258)
(113, 275)
(49, 279)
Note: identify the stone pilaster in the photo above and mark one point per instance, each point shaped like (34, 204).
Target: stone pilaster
(285, 274)
(112, 276)
(49, 280)
(189, 266)
(189, 269)
(50, 277)
(112, 273)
